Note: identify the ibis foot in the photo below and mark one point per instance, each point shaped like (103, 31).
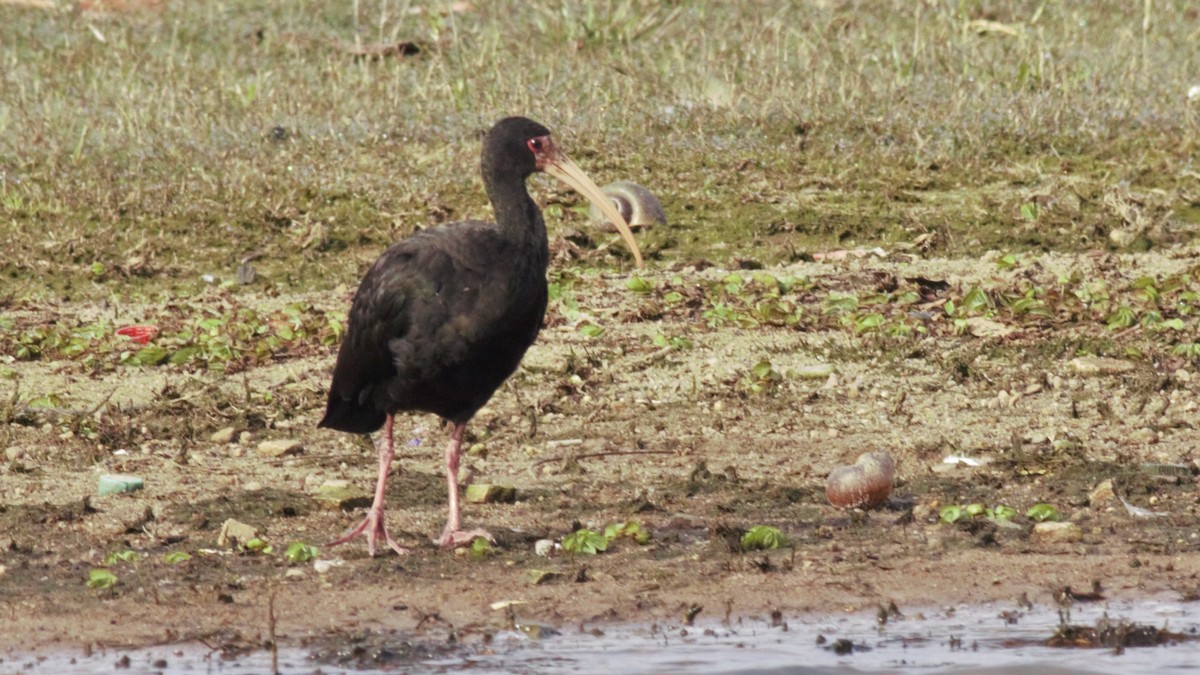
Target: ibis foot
(451, 539)
(373, 527)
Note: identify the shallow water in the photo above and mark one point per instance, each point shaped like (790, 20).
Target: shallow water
(958, 640)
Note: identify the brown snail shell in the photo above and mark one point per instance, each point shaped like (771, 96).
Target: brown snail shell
(866, 483)
(637, 205)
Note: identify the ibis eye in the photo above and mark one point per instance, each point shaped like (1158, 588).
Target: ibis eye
(535, 145)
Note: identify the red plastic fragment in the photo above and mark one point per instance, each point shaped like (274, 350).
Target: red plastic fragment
(140, 333)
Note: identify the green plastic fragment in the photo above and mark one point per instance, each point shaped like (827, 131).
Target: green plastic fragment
(115, 483)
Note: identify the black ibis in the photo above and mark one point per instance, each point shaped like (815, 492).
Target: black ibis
(443, 317)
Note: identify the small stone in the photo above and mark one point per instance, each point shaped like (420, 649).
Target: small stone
(483, 493)
(280, 447)
(233, 530)
(1101, 365)
(543, 547)
(222, 436)
(323, 566)
(111, 484)
(1183, 376)
(1101, 494)
(294, 573)
(14, 453)
(814, 371)
(1056, 533)
(252, 486)
(339, 495)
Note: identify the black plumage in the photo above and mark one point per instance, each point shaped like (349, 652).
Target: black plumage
(443, 317)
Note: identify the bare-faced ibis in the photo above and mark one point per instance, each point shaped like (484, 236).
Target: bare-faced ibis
(443, 317)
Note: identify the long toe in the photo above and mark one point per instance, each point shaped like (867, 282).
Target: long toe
(380, 532)
(358, 529)
(374, 530)
(400, 550)
(455, 538)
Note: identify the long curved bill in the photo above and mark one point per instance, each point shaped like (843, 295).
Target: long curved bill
(562, 168)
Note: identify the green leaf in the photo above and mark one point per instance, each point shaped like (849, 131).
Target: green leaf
(630, 530)
(952, 513)
(1029, 211)
(673, 297)
(176, 557)
(680, 343)
(1042, 513)
(257, 545)
(584, 541)
(1123, 317)
(45, 402)
(151, 356)
(1004, 513)
(763, 370)
(480, 548)
(1187, 349)
(838, 303)
(591, 330)
(763, 537)
(101, 579)
(299, 552)
(183, 355)
(867, 323)
(733, 282)
(976, 301)
(639, 285)
(128, 555)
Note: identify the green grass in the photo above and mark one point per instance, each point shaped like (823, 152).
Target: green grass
(144, 141)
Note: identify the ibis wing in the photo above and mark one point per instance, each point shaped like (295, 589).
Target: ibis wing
(419, 311)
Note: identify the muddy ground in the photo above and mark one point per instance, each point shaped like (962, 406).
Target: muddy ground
(685, 437)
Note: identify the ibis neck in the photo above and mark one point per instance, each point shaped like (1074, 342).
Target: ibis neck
(517, 216)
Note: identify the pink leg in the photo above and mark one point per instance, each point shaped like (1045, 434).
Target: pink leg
(373, 525)
(453, 535)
